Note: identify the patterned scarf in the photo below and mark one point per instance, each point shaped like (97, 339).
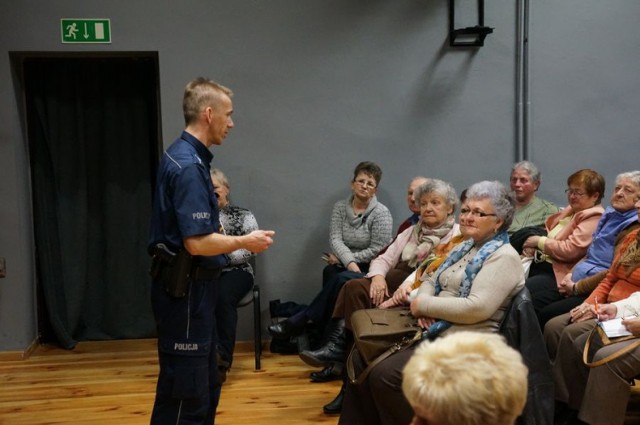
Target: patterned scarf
(470, 271)
(422, 241)
(630, 259)
(435, 260)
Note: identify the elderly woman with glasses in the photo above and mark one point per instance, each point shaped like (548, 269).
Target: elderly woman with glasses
(471, 290)
(360, 227)
(569, 235)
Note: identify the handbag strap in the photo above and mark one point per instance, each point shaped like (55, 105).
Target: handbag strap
(403, 344)
(612, 356)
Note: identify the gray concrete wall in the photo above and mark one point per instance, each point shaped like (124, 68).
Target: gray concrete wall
(323, 84)
(585, 91)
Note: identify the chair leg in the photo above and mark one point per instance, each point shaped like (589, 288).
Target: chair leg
(257, 326)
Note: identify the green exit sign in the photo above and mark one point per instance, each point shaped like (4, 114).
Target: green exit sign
(85, 30)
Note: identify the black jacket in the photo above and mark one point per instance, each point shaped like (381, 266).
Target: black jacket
(521, 330)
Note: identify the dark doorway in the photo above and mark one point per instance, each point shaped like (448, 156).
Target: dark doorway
(92, 125)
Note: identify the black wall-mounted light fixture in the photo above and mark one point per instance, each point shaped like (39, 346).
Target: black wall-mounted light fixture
(469, 36)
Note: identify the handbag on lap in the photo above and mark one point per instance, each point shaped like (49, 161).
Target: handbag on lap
(377, 334)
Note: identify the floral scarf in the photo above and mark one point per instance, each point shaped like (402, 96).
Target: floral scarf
(470, 271)
(422, 241)
(435, 260)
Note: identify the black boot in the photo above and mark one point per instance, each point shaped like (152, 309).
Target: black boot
(334, 351)
(563, 415)
(329, 373)
(287, 328)
(335, 406)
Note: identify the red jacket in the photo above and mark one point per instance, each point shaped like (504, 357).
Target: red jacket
(617, 285)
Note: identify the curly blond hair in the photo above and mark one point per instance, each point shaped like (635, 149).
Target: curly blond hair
(466, 378)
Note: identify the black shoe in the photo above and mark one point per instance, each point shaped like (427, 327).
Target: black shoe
(563, 415)
(223, 368)
(334, 351)
(285, 329)
(329, 373)
(335, 406)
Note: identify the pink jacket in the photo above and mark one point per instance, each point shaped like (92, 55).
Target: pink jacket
(571, 244)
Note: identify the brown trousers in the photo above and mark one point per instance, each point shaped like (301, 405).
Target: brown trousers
(354, 295)
(600, 394)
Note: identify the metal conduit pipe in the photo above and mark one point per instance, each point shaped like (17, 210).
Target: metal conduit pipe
(522, 80)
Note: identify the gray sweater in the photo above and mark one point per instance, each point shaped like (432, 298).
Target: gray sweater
(359, 238)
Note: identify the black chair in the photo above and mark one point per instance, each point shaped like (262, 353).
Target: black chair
(521, 330)
(253, 297)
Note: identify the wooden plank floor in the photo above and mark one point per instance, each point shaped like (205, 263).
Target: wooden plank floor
(113, 382)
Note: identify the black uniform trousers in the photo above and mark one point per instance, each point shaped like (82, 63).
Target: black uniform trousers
(188, 386)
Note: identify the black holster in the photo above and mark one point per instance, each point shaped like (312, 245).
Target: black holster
(172, 270)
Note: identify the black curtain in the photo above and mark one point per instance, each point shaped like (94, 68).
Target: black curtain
(93, 136)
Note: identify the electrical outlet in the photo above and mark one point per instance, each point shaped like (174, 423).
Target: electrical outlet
(3, 268)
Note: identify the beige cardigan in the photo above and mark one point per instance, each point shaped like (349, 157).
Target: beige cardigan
(499, 279)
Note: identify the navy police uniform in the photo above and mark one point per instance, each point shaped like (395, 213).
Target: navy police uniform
(185, 205)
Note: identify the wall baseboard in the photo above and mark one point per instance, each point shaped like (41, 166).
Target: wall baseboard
(246, 347)
(19, 355)
(8, 356)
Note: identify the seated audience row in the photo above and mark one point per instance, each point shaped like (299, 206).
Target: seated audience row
(553, 297)
(435, 229)
(599, 396)
(374, 289)
(471, 290)
(578, 388)
(469, 286)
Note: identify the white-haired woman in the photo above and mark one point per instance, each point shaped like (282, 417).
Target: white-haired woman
(237, 277)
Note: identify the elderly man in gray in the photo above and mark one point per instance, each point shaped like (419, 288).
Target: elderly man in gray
(531, 211)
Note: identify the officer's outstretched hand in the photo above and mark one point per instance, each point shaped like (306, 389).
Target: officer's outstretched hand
(258, 240)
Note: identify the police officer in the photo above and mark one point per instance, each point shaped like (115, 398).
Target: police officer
(188, 248)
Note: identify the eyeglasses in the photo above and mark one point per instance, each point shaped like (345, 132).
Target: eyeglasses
(366, 184)
(574, 192)
(476, 213)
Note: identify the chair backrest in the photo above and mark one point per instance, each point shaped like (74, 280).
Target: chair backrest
(509, 327)
(521, 330)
